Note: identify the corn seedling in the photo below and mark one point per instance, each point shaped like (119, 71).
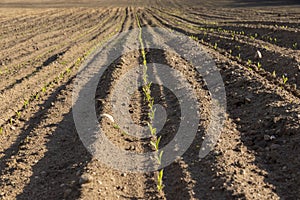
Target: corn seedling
(152, 129)
(259, 65)
(159, 179)
(159, 158)
(18, 114)
(249, 62)
(295, 45)
(11, 121)
(216, 46)
(1, 130)
(78, 61)
(26, 102)
(61, 75)
(116, 126)
(274, 74)
(156, 143)
(284, 79)
(194, 38)
(44, 89)
(68, 70)
(63, 62)
(150, 101)
(266, 47)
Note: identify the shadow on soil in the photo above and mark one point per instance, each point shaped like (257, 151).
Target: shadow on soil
(260, 3)
(56, 175)
(173, 174)
(176, 182)
(59, 169)
(279, 157)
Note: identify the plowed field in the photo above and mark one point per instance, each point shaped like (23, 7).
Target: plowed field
(255, 47)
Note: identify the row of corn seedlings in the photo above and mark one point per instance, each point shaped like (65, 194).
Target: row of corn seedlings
(21, 65)
(257, 67)
(59, 77)
(151, 113)
(233, 33)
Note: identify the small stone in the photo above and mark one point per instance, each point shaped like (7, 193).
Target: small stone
(123, 174)
(73, 182)
(258, 54)
(248, 100)
(13, 128)
(275, 146)
(108, 116)
(184, 166)
(132, 147)
(67, 193)
(267, 149)
(78, 173)
(118, 187)
(85, 178)
(62, 185)
(267, 137)
(272, 137)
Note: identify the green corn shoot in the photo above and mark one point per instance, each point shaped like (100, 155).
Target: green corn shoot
(160, 176)
(258, 65)
(284, 79)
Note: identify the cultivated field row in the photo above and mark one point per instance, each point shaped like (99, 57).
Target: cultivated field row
(256, 51)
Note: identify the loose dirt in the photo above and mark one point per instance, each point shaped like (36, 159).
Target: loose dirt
(257, 155)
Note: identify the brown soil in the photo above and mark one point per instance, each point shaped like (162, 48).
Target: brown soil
(257, 156)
